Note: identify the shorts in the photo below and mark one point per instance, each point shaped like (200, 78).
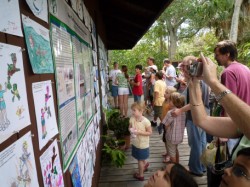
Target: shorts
(137, 98)
(140, 154)
(157, 111)
(123, 91)
(114, 91)
(171, 148)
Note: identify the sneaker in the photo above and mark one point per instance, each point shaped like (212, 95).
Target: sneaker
(146, 166)
(153, 124)
(138, 177)
(160, 128)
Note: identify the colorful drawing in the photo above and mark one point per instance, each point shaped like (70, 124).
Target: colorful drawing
(44, 132)
(12, 69)
(12, 92)
(19, 111)
(45, 112)
(4, 122)
(51, 167)
(47, 97)
(75, 172)
(24, 173)
(38, 44)
(15, 92)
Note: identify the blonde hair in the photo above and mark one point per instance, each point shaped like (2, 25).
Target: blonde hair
(170, 89)
(138, 105)
(177, 99)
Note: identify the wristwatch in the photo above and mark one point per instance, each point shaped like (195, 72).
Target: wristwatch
(221, 95)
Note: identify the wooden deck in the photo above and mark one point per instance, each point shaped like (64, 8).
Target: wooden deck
(123, 177)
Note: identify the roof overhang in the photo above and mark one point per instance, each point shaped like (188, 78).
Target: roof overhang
(126, 21)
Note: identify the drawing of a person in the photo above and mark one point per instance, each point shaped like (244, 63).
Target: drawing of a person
(12, 69)
(24, 174)
(53, 159)
(15, 92)
(4, 122)
(44, 132)
(47, 96)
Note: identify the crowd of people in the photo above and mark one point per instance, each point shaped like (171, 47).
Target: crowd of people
(184, 101)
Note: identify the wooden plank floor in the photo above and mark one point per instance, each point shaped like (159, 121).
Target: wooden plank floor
(123, 177)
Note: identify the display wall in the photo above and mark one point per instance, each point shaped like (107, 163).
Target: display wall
(53, 86)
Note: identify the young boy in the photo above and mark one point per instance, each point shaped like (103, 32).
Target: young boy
(159, 91)
(174, 126)
(165, 109)
(137, 84)
(140, 129)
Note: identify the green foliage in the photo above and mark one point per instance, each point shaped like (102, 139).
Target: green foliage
(118, 124)
(112, 153)
(244, 54)
(198, 25)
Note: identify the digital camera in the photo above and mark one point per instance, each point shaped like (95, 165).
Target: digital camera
(195, 69)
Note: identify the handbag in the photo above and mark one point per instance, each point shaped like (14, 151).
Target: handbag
(216, 170)
(208, 157)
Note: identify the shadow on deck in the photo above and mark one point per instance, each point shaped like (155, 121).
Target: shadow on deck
(123, 177)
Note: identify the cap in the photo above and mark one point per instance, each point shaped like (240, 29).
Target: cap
(154, 67)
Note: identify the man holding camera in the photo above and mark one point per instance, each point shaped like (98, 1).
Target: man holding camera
(196, 135)
(236, 76)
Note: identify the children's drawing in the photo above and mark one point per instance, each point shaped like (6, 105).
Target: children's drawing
(45, 111)
(12, 69)
(39, 8)
(13, 93)
(51, 167)
(44, 132)
(10, 17)
(18, 167)
(4, 122)
(38, 44)
(24, 170)
(47, 97)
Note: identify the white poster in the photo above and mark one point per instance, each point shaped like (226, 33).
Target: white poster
(17, 164)
(51, 167)
(39, 8)
(14, 111)
(45, 112)
(10, 21)
(64, 13)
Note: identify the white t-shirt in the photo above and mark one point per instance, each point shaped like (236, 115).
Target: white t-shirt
(171, 72)
(112, 74)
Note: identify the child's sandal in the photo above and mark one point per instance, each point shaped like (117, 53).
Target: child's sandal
(138, 177)
(146, 167)
(166, 159)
